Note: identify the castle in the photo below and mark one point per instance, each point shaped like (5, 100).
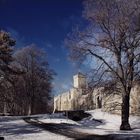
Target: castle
(79, 98)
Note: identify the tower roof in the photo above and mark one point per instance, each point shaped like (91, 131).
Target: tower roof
(80, 74)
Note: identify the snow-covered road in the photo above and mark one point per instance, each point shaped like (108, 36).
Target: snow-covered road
(99, 126)
(14, 128)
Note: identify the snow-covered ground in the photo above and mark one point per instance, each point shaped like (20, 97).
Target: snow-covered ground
(14, 128)
(100, 123)
(105, 123)
(56, 119)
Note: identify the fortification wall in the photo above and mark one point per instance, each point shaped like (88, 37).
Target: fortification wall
(112, 102)
(77, 98)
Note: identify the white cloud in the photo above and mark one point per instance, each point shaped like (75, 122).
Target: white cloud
(61, 86)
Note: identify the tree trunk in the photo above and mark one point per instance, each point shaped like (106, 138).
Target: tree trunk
(29, 109)
(5, 108)
(125, 112)
(32, 105)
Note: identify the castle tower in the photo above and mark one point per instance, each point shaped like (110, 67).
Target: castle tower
(79, 81)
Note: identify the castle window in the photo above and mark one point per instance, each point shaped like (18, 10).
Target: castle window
(69, 95)
(99, 102)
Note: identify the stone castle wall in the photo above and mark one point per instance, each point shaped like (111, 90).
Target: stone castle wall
(77, 98)
(112, 102)
(71, 100)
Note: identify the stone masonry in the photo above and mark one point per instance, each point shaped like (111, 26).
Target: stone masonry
(77, 98)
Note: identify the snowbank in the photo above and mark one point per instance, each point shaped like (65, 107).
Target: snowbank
(56, 118)
(102, 123)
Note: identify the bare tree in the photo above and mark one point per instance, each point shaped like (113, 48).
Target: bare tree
(25, 74)
(112, 38)
(35, 84)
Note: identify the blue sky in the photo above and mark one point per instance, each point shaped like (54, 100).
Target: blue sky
(45, 23)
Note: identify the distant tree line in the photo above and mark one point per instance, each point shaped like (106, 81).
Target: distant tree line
(25, 79)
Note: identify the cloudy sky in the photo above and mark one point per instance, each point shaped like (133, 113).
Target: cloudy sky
(45, 23)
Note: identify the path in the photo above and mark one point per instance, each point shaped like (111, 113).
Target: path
(68, 131)
(15, 128)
